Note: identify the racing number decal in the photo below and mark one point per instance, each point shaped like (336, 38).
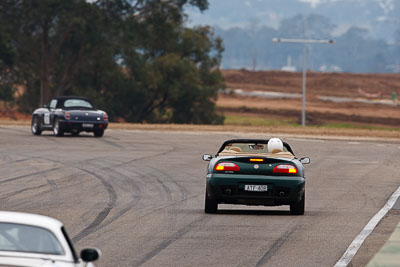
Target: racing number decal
(47, 118)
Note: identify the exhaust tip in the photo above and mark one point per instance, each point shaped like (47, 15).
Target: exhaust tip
(228, 191)
(281, 194)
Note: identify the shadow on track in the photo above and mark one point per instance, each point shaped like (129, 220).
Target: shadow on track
(255, 212)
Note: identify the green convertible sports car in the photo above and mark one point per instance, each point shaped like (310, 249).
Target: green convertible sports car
(255, 172)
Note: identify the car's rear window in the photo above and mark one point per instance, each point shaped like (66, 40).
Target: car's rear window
(27, 238)
(71, 103)
(253, 148)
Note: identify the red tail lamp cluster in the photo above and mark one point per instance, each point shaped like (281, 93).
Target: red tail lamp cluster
(285, 168)
(227, 166)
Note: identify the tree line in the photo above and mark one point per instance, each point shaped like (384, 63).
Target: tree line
(354, 50)
(135, 59)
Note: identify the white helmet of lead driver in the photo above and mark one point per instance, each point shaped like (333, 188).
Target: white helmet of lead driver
(275, 145)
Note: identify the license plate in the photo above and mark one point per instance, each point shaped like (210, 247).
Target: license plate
(256, 188)
(87, 125)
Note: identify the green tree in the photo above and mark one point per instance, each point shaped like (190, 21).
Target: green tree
(7, 52)
(7, 59)
(135, 59)
(54, 40)
(172, 70)
(165, 72)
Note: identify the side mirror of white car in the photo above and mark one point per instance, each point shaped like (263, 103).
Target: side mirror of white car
(90, 254)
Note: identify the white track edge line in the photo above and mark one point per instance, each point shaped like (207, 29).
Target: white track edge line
(359, 240)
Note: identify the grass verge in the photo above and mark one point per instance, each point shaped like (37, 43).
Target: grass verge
(256, 121)
(267, 129)
(356, 126)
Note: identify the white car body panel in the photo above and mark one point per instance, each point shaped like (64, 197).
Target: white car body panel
(11, 258)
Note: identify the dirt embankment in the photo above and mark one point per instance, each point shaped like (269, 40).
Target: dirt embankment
(370, 87)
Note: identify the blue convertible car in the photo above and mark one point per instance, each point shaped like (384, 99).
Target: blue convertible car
(69, 114)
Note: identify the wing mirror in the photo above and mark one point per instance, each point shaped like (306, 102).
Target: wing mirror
(305, 160)
(207, 157)
(90, 254)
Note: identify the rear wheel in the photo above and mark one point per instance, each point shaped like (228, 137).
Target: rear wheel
(297, 208)
(210, 205)
(56, 128)
(36, 127)
(98, 133)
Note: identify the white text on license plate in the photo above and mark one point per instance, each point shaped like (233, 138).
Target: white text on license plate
(87, 125)
(256, 188)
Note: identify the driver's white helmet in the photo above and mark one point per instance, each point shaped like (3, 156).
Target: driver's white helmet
(275, 145)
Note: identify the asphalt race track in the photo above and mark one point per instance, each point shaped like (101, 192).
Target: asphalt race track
(139, 195)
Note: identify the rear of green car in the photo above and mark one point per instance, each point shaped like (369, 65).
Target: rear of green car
(255, 180)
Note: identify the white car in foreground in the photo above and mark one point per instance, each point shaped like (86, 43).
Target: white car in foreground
(35, 240)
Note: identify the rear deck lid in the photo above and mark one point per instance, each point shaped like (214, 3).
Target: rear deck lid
(256, 166)
(85, 115)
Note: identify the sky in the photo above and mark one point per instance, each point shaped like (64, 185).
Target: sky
(380, 17)
(386, 5)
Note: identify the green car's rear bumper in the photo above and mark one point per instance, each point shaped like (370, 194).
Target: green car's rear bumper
(229, 189)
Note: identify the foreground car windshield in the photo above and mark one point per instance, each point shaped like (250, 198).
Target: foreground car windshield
(26, 238)
(253, 148)
(74, 103)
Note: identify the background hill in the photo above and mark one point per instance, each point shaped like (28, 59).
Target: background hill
(366, 33)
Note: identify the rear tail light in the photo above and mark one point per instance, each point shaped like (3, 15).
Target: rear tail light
(285, 168)
(227, 166)
(105, 116)
(67, 115)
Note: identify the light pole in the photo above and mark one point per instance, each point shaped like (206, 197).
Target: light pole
(305, 42)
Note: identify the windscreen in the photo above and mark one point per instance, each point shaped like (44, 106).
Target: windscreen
(75, 103)
(253, 148)
(27, 238)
